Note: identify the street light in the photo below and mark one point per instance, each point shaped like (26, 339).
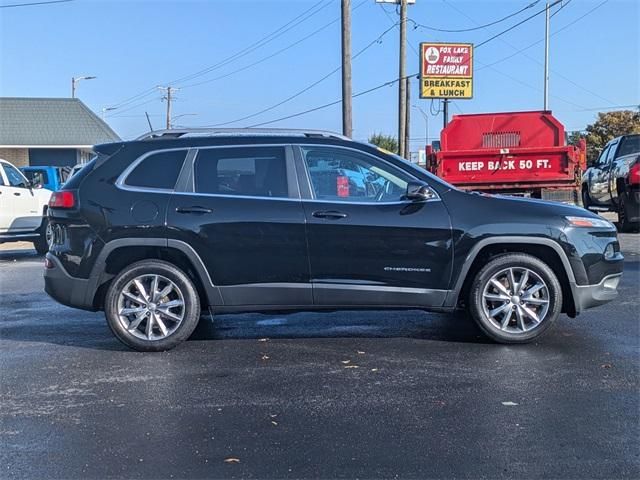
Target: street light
(426, 123)
(107, 109)
(75, 80)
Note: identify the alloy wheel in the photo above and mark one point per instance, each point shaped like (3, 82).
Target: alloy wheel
(151, 307)
(48, 235)
(516, 300)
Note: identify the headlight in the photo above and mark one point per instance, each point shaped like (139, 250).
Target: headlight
(589, 222)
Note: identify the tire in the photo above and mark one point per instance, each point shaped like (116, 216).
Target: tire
(586, 201)
(624, 225)
(41, 244)
(132, 327)
(485, 298)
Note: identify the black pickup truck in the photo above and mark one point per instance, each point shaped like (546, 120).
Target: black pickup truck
(612, 183)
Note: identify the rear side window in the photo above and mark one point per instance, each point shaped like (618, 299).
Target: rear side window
(247, 171)
(629, 145)
(159, 170)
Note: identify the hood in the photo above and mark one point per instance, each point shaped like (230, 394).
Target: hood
(538, 205)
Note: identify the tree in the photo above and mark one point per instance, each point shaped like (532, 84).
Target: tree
(387, 142)
(610, 125)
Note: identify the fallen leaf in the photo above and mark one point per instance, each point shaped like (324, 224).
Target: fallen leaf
(275, 423)
(605, 365)
(351, 366)
(265, 357)
(345, 361)
(231, 460)
(509, 404)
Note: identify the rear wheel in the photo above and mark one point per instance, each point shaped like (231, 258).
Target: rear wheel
(624, 214)
(515, 298)
(586, 201)
(42, 243)
(152, 306)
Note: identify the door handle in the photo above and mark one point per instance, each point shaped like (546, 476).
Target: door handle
(194, 210)
(329, 214)
(17, 194)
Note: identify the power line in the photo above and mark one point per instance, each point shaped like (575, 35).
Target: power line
(542, 39)
(309, 87)
(34, 3)
(278, 52)
(257, 44)
(132, 107)
(530, 58)
(391, 82)
(447, 30)
(260, 43)
(516, 25)
(326, 105)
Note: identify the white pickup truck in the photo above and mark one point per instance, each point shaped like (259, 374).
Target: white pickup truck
(23, 209)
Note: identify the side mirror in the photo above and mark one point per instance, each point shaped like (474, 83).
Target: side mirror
(419, 191)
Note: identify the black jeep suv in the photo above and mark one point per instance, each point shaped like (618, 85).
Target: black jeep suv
(157, 230)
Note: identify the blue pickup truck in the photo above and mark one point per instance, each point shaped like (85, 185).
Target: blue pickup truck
(50, 178)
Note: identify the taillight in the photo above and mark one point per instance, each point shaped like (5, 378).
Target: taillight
(62, 199)
(634, 174)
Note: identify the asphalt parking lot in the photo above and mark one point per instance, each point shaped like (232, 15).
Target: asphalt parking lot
(323, 395)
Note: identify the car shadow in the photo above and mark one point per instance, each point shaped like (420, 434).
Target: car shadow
(454, 327)
(19, 254)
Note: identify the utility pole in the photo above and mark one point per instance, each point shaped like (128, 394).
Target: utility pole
(402, 85)
(546, 58)
(347, 112)
(407, 122)
(169, 98)
(445, 112)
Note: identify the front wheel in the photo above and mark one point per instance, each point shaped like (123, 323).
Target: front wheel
(152, 306)
(515, 298)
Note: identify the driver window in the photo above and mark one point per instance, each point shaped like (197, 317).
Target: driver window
(340, 175)
(611, 153)
(14, 177)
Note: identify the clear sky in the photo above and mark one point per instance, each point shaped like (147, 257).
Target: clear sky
(133, 46)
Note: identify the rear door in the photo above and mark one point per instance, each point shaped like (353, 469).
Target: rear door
(6, 206)
(367, 245)
(240, 210)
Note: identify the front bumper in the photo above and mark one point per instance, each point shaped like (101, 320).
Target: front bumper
(62, 287)
(588, 296)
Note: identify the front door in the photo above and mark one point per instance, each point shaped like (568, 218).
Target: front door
(22, 204)
(243, 216)
(367, 245)
(599, 189)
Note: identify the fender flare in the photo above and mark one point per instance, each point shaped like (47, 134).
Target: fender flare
(452, 298)
(98, 275)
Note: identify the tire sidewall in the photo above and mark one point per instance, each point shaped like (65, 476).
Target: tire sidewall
(40, 244)
(151, 267)
(515, 260)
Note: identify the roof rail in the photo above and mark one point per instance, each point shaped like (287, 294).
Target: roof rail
(211, 132)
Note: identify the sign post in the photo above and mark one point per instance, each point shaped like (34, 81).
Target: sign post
(446, 70)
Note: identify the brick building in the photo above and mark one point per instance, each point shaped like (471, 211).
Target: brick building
(49, 131)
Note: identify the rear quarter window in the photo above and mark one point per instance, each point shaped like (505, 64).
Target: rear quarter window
(158, 170)
(629, 145)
